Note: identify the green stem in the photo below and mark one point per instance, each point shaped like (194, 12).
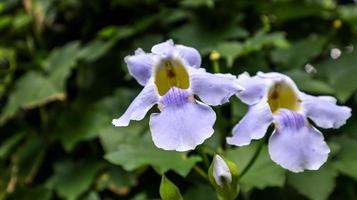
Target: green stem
(204, 156)
(200, 172)
(254, 158)
(216, 67)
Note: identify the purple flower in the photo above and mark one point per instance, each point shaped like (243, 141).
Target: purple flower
(295, 144)
(171, 76)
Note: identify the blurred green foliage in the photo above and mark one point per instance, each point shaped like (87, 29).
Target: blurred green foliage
(62, 80)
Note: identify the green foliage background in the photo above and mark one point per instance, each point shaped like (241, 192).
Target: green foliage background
(63, 79)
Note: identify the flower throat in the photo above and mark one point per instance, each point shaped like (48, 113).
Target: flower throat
(282, 95)
(170, 73)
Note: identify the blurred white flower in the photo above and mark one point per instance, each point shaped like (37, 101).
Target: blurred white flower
(350, 47)
(310, 69)
(335, 53)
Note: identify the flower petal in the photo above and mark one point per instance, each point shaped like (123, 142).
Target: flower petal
(255, 88)
(213, 89)
(164, 48)
(274, 77)
(324, 111)
(253, 125)
(140, 66)
(182, 124)
(295, 145)
(137, 110)
(191, 55)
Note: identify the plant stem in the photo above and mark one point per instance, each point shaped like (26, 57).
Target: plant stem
(204, 156)
(216, 67)
(200, 172)
(254, 158)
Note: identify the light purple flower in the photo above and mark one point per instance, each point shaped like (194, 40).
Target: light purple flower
(274, 98)
(171, 76)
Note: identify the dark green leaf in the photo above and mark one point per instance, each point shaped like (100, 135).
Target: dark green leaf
(262, 173)
(145, 153)
(299, 53)
(31, 90)
(345, 160)
(38, 193)
(341, 74)
(8, 145)
(317, 185)
(308, 83)
(200, 191)
(71, 179)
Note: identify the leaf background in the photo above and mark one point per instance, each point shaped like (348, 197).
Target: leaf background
(63, 79)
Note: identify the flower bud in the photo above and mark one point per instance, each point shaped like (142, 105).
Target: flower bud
(221, 172)
(223, 175)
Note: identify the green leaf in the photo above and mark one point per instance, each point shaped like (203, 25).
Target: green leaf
(95, 49)
(168, 190)
(116, 179)
(230, 51)
(262, 173)
(60, 62)
(31, 90)
(82, 122)
(9, 144)
(317, 185)
(345, 160)
(5, 22)
(147, 41)
(200, 191)
(7, 68)
(140, 196)
(76, 126)
(299, 53)
(243, 155)
(192, 35)
(62, 57)
(291, 10)
(35, 89)
(340, 74)
(308, 83)
(38, 193)
(71, 179)
(261, 39)
(2, 7)
(145, 153)
(238, 109)
(349, 14)
(28, 158)
(92, 195)
(197, 3)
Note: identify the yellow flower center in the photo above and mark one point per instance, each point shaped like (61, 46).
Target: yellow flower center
(282, 95)
(171, 73)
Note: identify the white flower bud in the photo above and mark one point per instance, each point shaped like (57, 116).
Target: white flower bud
(221, 172)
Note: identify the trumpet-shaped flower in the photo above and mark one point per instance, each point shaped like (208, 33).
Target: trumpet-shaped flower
(171, 76)
(295, 144)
